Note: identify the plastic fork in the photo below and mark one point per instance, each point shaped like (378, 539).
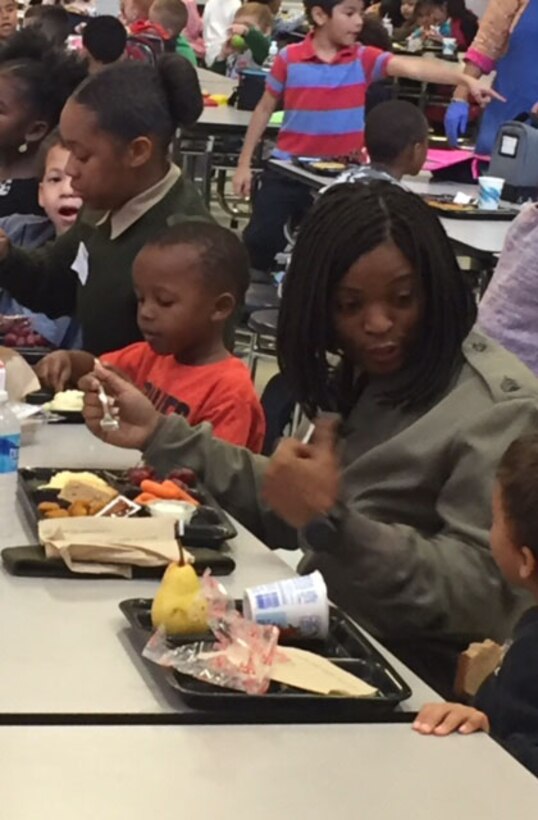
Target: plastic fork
(108, 423)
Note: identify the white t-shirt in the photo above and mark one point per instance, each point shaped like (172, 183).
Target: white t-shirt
(218, 17)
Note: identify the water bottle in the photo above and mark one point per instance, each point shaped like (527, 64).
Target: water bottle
(10, 441)
(270, 59)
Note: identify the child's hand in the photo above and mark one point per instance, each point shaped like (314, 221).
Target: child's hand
(138, 419)
(242, 181)
(5, 245)
(54, 370)
(239, 29)
(433, 35)
(444, 718)
(483, 94)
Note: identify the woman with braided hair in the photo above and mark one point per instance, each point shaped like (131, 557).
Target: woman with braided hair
(393, 507)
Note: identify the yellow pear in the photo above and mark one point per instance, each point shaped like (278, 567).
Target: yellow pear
(179, 605)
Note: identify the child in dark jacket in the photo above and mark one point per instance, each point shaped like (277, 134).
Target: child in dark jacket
(506, 704)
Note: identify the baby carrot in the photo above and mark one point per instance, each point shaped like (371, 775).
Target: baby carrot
(145, 498)
(158, 489)
(181, 495)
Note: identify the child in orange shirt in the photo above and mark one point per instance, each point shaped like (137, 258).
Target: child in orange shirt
(188, 282)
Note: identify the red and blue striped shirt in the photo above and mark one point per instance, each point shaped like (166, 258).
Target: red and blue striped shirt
(323, 102)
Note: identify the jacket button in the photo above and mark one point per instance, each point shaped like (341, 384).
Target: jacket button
(479, 346)
(509, 385)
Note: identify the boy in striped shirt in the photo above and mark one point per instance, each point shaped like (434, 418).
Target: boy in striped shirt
(322, 84)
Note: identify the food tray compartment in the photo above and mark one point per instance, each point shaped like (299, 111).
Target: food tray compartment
(340, 643)
(435, 201)
(209, 528)
(43, 396)
(346, 646)
(313, 166)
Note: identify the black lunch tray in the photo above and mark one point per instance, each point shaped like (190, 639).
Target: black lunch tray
(503, 214)
(209, 528)
(31, 561)
(346, 646)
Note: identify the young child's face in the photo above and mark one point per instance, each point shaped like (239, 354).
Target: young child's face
(506, 553)
(56, 195)
(344, 25)
(439, 15)
(408, 9)
(8, 18)
(377, 311)
(425, 18)
(177, 310)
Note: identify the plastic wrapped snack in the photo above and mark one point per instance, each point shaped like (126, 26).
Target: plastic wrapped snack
(241, 658)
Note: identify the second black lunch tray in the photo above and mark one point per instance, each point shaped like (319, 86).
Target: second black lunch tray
(473, 212)
(311, 165)
(346, 645)
(31, 561)
(209, 528)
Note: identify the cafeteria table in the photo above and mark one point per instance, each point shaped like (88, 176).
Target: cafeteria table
(375, 772)
(473, 236)
(67, 653)
(214, 83)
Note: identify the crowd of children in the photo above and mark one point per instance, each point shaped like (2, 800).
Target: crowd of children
(112, 254)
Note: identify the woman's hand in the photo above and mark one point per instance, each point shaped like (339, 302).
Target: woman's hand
(137, 417)
(54, 370)
(302, 481)
(483, 94)
(444, 718)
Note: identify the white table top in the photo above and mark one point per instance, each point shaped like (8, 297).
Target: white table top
(476, 235)
(376, 772)
(214, 83)
(65, 645)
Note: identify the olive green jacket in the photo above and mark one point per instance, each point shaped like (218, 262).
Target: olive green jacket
(407, 553)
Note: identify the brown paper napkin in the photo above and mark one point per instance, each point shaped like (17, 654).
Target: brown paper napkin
(305, 670)
(110, 545)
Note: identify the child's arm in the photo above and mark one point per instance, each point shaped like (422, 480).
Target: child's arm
(64, 367)
(258, 44)
(445, 718)
(42, 280)
(242, 180)
(435, 71)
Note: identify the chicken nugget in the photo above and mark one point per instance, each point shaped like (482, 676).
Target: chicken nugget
(59, 513)
(48, 506)
(78, 509)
